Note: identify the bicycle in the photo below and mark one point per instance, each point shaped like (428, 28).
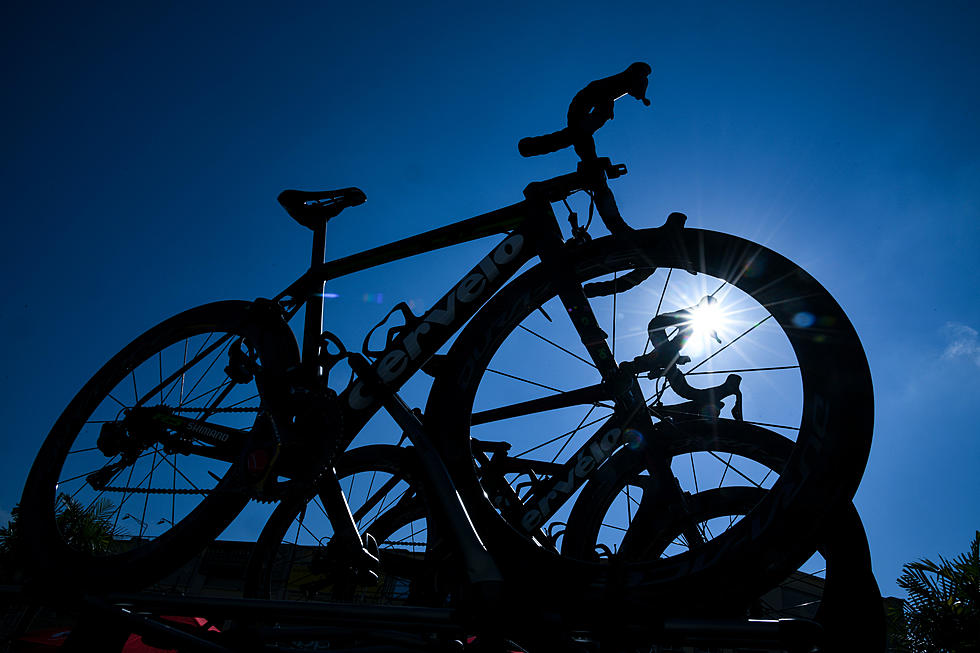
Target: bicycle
(255, 416)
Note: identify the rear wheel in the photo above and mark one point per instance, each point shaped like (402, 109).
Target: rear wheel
(145, 465)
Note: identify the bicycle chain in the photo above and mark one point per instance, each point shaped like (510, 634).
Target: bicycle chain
(185, 409)
(154, 490)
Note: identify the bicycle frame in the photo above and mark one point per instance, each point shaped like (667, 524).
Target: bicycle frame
(532, 230)
(375, 385)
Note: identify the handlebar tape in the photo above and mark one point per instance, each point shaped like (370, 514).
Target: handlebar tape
(535, 145)
(590, 109)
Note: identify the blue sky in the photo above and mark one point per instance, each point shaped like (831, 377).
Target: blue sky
(144, 148)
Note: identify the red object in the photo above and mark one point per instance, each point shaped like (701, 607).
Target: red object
(49, 639)
(258, 460)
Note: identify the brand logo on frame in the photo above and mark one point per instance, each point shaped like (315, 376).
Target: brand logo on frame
(467, 291)
(585, 462)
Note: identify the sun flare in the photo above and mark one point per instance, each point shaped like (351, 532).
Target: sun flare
(708, 320)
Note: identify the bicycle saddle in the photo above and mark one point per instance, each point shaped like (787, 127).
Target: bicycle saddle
(310, 208)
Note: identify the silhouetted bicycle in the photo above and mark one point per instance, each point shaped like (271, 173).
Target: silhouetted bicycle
(596, 354)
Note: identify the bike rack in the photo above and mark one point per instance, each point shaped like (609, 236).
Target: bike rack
(851, 617)
(107, 621)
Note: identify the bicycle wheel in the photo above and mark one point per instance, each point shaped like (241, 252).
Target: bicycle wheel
(119, 496)
(602, 517)
(519, 373)
(291, 559)
(846, 600)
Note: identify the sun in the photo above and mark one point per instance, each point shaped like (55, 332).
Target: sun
(707, 319)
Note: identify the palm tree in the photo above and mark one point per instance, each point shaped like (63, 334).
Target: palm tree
(942, 612)
(86, 528)
(9, 544)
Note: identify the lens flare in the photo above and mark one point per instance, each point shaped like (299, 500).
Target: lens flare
(633, 439)
(707, 319)
(804, 319)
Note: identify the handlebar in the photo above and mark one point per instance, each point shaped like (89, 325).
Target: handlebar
(589, 110)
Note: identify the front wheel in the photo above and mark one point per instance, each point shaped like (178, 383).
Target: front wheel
(292, 559)
(706, 322)
(145, 465)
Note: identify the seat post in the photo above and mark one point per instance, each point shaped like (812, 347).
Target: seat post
(313, 325)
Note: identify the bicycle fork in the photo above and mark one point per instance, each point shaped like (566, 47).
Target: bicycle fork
(665, 497)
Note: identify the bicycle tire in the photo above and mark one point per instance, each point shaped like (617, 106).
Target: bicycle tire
(173, 522)
(849, 605)
(835, 411)
(590, 515)
(289, 561)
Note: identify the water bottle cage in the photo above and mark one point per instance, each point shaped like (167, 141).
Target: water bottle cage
(326, 359)
(411, 321)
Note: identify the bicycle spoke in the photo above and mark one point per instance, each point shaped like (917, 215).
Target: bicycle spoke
(206, 370)
(413, 534)
(728, 464)
(707, 529)
(765, 477)
(127, 495)
(160, 370)
(216, 403)
(528, 381)
(554, 344)
(129, 480)
(121, 404)
(177, 471)
(178, 374)
(730, 343)
(319, 504)
(319, 540)
(555, 439)
(374, 475)
(389, 498)
(629, 508)
(180, 401)
(82, 450)
(775, 426)
(225, 383)
(245, 400)
(572, 433)
(745, 369)
(626, 491)
(694, 472)
(660, 304)
(686, 413)
(737, 470)
(146, 500)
